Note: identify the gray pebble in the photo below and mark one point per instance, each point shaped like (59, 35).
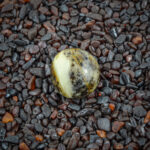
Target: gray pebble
(139, 111)
(38, 72)
(23, 115)
(46, 110)
(38, 127)
(103, 124)
(121, 38)
(64, 8)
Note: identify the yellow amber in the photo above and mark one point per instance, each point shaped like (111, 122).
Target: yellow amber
(75, 73)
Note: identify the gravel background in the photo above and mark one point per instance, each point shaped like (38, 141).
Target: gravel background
(34, 116)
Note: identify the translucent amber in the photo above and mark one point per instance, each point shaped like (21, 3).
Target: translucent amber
(75, 73)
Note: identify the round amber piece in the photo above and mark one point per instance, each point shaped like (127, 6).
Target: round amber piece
(75, 73)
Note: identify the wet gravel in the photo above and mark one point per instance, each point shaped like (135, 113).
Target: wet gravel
(32, 113)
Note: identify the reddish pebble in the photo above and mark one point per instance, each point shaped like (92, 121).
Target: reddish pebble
(54, 10)
(147, 118)
(90, 24)
(112, 106)
(63, 106)
(49, 26)
(31, 83)
(115, 79)
(27, 57)
(39, 138)
(54, 114)
(60, 131)
(15, 98)
(101, 133)
(44, 10)
(7, 118)
(1, 20)
(23, 146)
(38, 102)
(118, 146)
(137, 40)
(117, 125)
(7, 32)
(43, 96)
(84, 10)
(28, 24)
(99, 94)
(66, 16)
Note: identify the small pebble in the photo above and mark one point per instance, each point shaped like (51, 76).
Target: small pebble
(104, 124)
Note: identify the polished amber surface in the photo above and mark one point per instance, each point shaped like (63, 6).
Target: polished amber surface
(75, 73)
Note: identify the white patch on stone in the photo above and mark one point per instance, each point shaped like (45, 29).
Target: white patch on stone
(62, 66)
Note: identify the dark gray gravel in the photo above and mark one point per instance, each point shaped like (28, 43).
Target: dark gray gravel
(115, 116)
(104, 124)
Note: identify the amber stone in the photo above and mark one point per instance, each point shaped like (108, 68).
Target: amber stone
(75, 73)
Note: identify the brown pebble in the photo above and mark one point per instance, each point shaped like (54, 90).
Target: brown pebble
(90, 24)
(137, 40)
(44, 10)
(75, 129)
(63, 106)
(39, 138)
(66, 16)
(101, 133)
(15, 98)
(38, 102)
(84, 10)
(115, 79)
(49, 26)
(43, 96)
(112, 106)
(118, 146)
(23, 146)
(147, 118)
(54, 10)
(117, 125)
(6, 32)
(60, 131)
(7, 118)
(28, 24)
(31, 83)
(1, 20)
(54, 114)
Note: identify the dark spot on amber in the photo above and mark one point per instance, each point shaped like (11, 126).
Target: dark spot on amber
(72, 76)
